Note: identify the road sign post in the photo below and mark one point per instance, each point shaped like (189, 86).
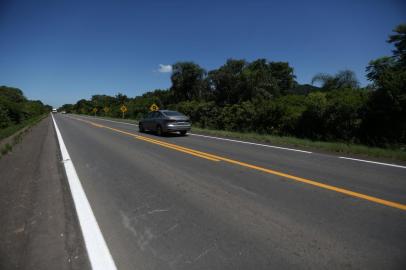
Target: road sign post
(95, 111)
(123, 109)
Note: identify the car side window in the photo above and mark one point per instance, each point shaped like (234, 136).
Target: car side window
(158, 115)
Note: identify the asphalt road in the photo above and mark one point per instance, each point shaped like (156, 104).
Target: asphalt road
(38, 224)
(234, 205)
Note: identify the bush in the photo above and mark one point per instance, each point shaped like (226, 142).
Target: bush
(5, 120)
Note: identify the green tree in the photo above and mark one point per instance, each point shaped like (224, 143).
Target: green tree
(379, 67)
(259, 82)
(311, 123)
(399, 41)
(83, 106)
(284, 76)
(227, 82)
(12, 94)
(188, 81)
(344, 113)
(69, 108)
(5, 120)
(385, 118)
(12, 99)
(343, 79)
(15, 107)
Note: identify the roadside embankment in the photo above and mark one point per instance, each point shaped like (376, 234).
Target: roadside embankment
(12, 135)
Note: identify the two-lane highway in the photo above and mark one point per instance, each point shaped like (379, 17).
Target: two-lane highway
(199, 203)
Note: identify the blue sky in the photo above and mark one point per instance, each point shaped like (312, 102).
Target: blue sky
(62, 51)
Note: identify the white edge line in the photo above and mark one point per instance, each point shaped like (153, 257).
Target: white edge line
(218, 138)
(251, 143)
(374, 162)
(97, 250)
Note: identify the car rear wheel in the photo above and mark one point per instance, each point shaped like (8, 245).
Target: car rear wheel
(183, 132)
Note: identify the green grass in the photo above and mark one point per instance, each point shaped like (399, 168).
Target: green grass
(305, 144)
(8, 131)
(16, 129)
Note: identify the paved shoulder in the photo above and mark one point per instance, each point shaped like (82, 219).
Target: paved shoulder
(38, 226)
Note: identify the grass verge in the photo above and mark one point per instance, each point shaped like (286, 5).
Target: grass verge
(305, 144)
(17, 131)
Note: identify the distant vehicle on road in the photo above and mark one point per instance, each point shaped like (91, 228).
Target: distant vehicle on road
(164, 121)
(54, 111)
(63, 112)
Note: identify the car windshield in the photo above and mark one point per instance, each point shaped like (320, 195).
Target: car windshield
(173, 113)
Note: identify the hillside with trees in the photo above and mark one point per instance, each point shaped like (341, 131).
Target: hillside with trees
(263, 96)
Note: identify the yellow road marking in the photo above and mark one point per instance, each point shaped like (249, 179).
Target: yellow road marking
(96, 125)
(258, 168)
(178, 149)
(174, 147)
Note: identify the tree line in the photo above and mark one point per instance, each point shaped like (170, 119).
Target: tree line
(15, 108)
(263, 96)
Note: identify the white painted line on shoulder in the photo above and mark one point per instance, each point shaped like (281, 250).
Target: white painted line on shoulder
(374, 162)
(251, 143)
(97, 250)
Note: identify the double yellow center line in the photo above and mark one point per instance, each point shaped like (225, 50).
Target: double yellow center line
(216, 158)
(179, 148)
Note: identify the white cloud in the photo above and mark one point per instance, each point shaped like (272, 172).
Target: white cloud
(165, 68)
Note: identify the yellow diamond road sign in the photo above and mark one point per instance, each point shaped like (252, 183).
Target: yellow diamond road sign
(154, 107)
(94, 110)
(106, 109)
(123, 108)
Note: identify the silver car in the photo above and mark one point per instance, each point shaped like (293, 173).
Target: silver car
(164, 121)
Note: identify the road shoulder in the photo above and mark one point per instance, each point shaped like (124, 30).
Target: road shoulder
(39, 227)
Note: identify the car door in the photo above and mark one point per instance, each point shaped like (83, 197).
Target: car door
(154, 120)
(147, 121)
